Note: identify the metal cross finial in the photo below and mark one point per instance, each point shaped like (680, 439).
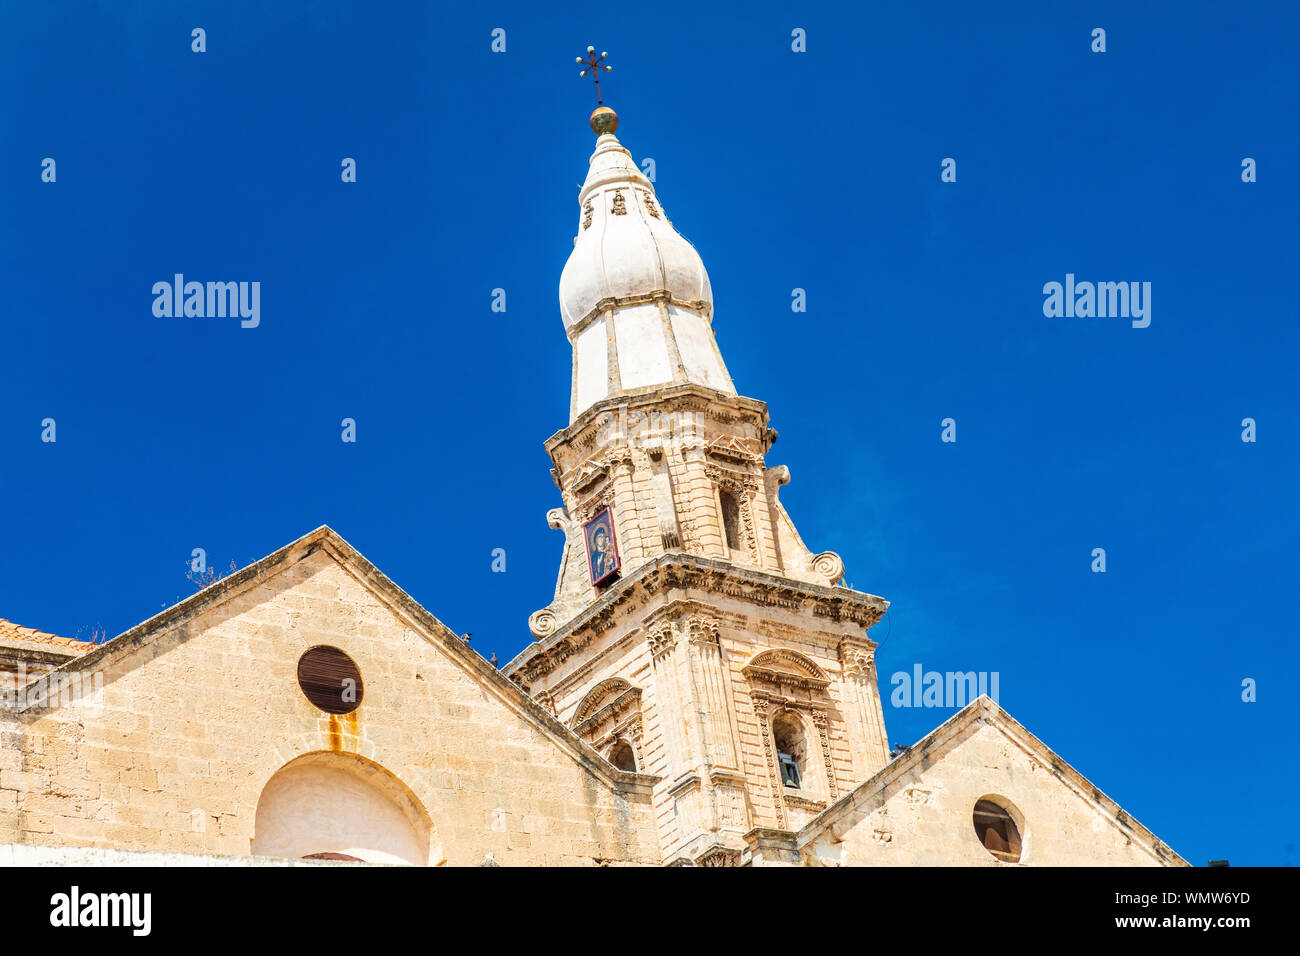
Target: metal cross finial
(593, 65)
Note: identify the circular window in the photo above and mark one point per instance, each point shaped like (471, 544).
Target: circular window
(997, 831)
(330, 679)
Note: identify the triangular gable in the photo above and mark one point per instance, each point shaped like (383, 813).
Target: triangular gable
(127, 650)
(932, 748)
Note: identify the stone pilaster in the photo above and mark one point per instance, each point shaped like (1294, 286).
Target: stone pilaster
(709, 693)
(701, 505)
(865, 718)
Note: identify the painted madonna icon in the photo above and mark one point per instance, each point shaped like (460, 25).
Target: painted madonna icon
(602, 549)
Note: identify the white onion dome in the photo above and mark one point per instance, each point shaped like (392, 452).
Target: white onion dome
(634, 296)
(625, 244)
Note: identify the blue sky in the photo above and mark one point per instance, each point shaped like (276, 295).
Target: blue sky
(816, 170)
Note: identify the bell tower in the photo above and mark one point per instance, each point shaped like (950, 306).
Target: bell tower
(692, 634)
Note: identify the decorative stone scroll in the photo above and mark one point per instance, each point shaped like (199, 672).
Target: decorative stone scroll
(828, 565)
(542, 623)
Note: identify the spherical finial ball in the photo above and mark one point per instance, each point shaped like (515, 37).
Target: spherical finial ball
(604, 120)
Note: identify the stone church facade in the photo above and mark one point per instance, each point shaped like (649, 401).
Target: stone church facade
(701, 689)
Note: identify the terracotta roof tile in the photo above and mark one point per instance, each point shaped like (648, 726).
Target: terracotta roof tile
(9, 631)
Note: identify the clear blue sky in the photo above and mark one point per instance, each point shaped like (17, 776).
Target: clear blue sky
(817, 170)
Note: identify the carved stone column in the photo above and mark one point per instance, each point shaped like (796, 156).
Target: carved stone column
(769, 752)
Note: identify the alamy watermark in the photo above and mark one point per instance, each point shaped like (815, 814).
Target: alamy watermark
(129, 910)
(82, 691)
(215, 300)
(941, 689)
(1102, 300)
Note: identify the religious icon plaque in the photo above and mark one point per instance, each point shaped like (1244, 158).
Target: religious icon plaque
(602, 548)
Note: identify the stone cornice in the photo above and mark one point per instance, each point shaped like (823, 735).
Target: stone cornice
(687, 781)
(803, 803)
(12, 653)
(685, 571)
(642, 298)
(687, 396)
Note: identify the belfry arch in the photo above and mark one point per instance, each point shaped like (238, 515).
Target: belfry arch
(328, 805)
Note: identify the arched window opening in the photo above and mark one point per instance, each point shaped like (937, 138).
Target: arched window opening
(731, 520)
(791, 749)
(997, 831)
(622, 757)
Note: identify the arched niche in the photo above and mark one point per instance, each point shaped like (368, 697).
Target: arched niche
(608, 716)
(344, 806)
(792, 704)
(623, 756)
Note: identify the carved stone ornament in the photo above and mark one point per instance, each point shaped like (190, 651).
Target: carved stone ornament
(650, 205)
(558, 518)
(586, 223)
(701, 629)
(828, 565)
(588, 476)
(782, 668)
(620, 204)
(861, 665)
(733, 449)
(718, 856)
(771, 675)
(823, 731)
(773, 774)
(684, 571)
(598, 697)
(542, 623)
(661, 638)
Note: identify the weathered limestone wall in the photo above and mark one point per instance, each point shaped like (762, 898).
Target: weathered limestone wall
(197, 719)
(925, 817)
(26, 854)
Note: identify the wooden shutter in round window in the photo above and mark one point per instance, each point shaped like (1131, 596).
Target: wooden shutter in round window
(330, 679)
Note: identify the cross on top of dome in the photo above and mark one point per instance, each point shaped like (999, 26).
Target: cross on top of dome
(603, 120)
(594, 64)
